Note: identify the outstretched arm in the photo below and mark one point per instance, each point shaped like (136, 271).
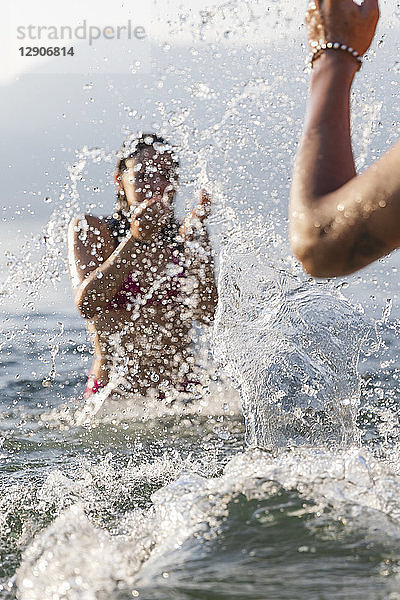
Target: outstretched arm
(340, 222)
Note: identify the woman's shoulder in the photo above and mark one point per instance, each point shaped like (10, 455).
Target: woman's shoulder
(86, 227)
(86, 220)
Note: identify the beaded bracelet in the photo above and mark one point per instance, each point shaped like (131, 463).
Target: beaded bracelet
(320, 48)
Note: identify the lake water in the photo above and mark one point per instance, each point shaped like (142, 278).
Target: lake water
(145, 501)
(281, 479)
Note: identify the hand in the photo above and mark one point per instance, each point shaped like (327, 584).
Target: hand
(149, 218)
(342, 21)
(203, 210)
(200, 213)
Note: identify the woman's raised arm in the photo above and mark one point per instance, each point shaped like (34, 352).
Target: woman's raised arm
(97, 271)
(199, 258)
(340, 221)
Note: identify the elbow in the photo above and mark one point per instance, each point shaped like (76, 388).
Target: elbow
(85, 309)
(208, 315)
(206, 310)
(90, 302)
(213, 303)
(308, 255)
(320, 250)
(319, 259)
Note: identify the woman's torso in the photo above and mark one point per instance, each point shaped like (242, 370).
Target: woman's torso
(141, 339)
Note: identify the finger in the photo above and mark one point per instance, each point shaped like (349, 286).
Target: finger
(118, 183)
(151, 201)
(143, 206)
(315, 4)
(205, 197)
(201, 212)
(370, 6)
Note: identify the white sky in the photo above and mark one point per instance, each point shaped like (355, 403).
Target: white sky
(114, 12)
(286, 17)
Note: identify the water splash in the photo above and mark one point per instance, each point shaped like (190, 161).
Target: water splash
(291, 347)
(74, 556)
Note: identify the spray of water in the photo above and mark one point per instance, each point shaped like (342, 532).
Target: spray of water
(294, 349)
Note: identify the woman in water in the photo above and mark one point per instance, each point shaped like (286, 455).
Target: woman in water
(340, 221)
(141, 279)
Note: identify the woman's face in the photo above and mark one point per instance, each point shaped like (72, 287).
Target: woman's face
(147, 176)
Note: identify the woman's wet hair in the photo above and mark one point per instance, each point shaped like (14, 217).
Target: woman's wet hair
(132, 148)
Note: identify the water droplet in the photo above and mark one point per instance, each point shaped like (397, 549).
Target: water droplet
(201, 90)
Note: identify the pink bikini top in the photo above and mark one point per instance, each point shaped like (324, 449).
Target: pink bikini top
(166, 293)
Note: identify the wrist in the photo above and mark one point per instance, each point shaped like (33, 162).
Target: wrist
(135, 239)
(195, 226)
(332, 76)
(336, 63)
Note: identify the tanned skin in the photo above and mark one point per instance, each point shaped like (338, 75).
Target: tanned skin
(149, 345)
(340, 221)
